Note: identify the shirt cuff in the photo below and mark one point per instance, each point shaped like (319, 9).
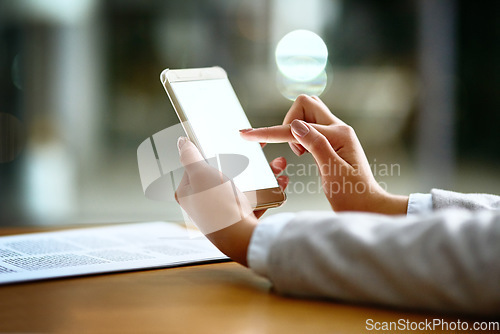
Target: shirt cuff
(419, 203)
(262, 239)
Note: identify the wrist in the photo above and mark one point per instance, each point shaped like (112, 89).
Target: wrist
(235, 239)
(391, 204)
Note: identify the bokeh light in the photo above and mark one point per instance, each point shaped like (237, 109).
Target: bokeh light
(301, 55)
(291, 89)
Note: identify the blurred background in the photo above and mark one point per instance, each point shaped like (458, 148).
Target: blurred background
(80, 90)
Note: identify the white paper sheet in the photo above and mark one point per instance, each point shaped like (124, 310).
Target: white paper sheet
(86, 251)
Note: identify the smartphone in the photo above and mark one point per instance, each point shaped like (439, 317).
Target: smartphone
(212, 116)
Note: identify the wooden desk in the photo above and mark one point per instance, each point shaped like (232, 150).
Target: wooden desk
(211, 298)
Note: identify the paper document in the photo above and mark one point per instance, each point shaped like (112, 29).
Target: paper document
(100, 249)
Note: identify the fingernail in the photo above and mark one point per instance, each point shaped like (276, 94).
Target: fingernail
(299, 128)
(278, 162)
(295, 149)
(245, 130)
(180, 142)
(301, 149)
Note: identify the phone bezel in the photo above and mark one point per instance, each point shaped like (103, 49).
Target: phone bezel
(260, 198)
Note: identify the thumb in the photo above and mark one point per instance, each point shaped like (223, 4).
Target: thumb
(190, 157)
(316, 143)
(200, 175)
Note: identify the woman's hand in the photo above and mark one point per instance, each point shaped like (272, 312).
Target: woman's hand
(347, 180)
(278, 165)
(215, 205)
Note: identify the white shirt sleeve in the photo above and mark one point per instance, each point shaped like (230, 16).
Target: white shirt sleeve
(419, 204)
(262, 238)
(269, 228)
(445, 260)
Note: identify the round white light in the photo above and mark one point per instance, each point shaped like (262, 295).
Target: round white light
(301, 55)
(291, 88)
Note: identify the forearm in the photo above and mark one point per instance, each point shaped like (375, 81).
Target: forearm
(378, 201)
(234, 239)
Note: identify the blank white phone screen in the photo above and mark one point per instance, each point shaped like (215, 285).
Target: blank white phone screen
(216, 116)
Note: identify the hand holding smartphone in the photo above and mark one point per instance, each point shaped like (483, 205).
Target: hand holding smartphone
(212, 116)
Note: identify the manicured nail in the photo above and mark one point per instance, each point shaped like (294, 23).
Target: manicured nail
(299, 128)
(295, 149)
(281, 159)
(180, 142)
(301, 149)
(245, 130)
